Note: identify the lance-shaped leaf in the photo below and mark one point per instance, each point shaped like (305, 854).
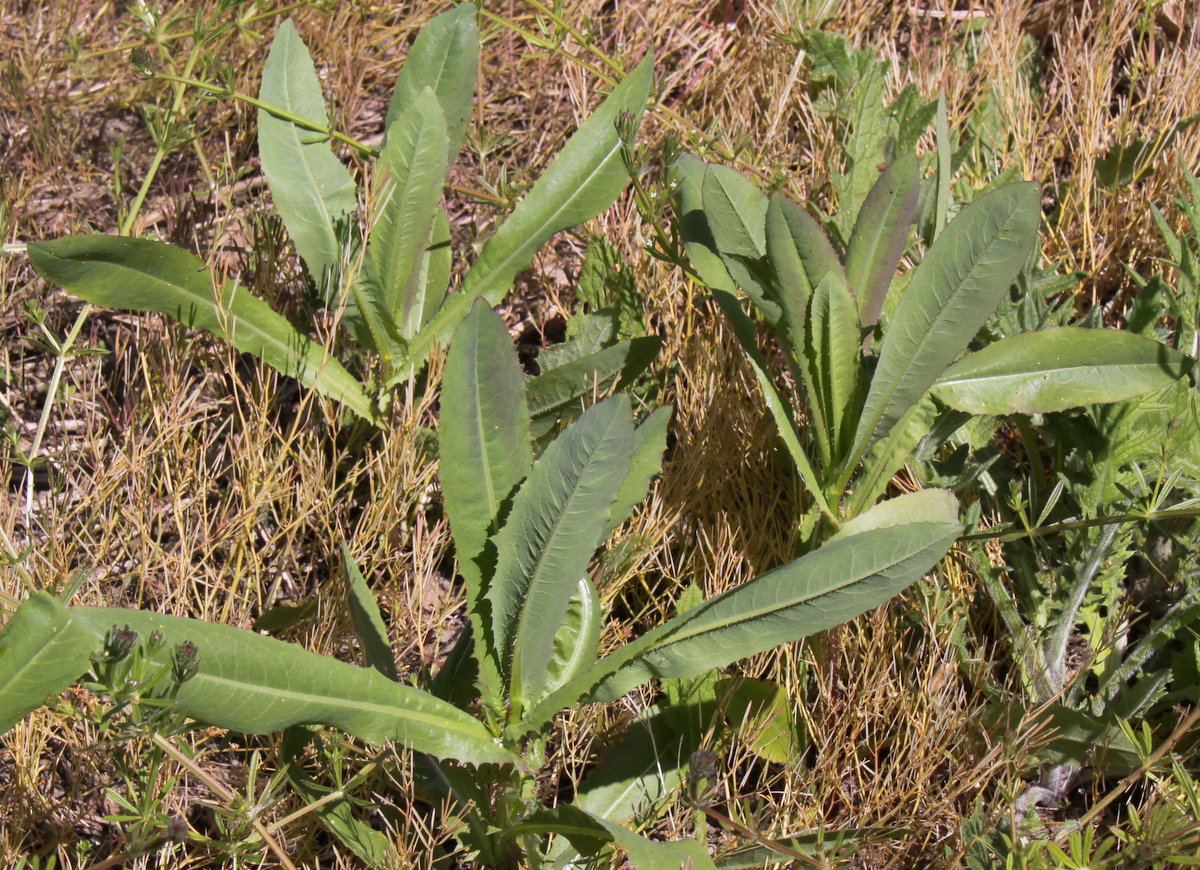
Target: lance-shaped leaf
(431, 279)
(833, 354)
(444, 58)
(558, 393)
(952, 293)
(881, 234)
(259, 685)
(412, 169)
(585, 178)
(311, 188)
(367, 620)
(550, 535)
(888, 455)
(589, 833)
(801, 256)
(43, 651)
(736, 210)
(824, 588)
(1056, 369)
(151, 276)
(698, 241)
(483, 444)
(578, 638)
(649, 444)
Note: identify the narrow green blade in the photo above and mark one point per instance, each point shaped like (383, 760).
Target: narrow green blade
(698, 239)
(117, 272)
(736, 210)
(834, 356)
(408, 189)
(585, 178)
(311, 188)
(649, 444)
(1056, 369)
(367, 620)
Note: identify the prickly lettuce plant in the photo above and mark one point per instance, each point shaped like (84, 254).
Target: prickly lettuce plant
(525, 530)
(390, 283)
(862, 413)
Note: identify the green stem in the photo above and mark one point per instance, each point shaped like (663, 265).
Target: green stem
(1068, 525)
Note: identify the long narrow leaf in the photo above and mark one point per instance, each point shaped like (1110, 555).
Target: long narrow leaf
(1056, 369)
(698, 241)
(833, 355)
(483, 444)
(367, 620)
(585, 178)
(550, 535)
(259, 685)
(736, 210)
(445, 58)
(412, 169)
(43, 650)
(881, 234)
(311, 188)
(649, 442)
(952, 293)
(151, 276)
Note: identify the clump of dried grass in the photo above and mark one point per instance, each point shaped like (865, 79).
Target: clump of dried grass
(188, 481)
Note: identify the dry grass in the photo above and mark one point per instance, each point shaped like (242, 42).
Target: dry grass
(183, 479)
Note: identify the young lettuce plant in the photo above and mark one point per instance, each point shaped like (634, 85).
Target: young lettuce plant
(392, 286)
(525, 530)
(863, 415)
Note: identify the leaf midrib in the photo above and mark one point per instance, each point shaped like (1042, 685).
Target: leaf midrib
(1044, 374)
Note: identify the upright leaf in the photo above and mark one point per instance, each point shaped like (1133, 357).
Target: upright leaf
(431, 279)
(311, 188)
(483, 444)
(952, 293)
(444, 58)
(881, 234)
(43, 650)
(367, 620)
(585, 178)
(649, 443)
(833, 355)
(549, 537)
(259, 685)
(1055, 369)
(151, 276)
(578, 638)
(412, 169)
(736, 210)
(689, 170)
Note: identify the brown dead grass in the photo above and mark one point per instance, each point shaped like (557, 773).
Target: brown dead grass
(186, 480)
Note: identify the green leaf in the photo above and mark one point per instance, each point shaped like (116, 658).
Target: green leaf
(889, 454)
(577, 638)
(931, 505)
(822, 589)
(43, 651)
(143, 275)
(644, 854)
(834, 356)
(762, 713)
(483, 444)
(881, 234)
(583, 832)
(311, 188)
(952, 293)
(743, 327)
(689, 170)
(817, 843)
(282, 617)
(556, 395)
(550, 535)
(585, 178)
(259, 685)
(649, 444)
(736, 210)
(796, 249)
(1056, 369)
(444, 58)
(367, 620)
(432, 277)
(408, 187)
